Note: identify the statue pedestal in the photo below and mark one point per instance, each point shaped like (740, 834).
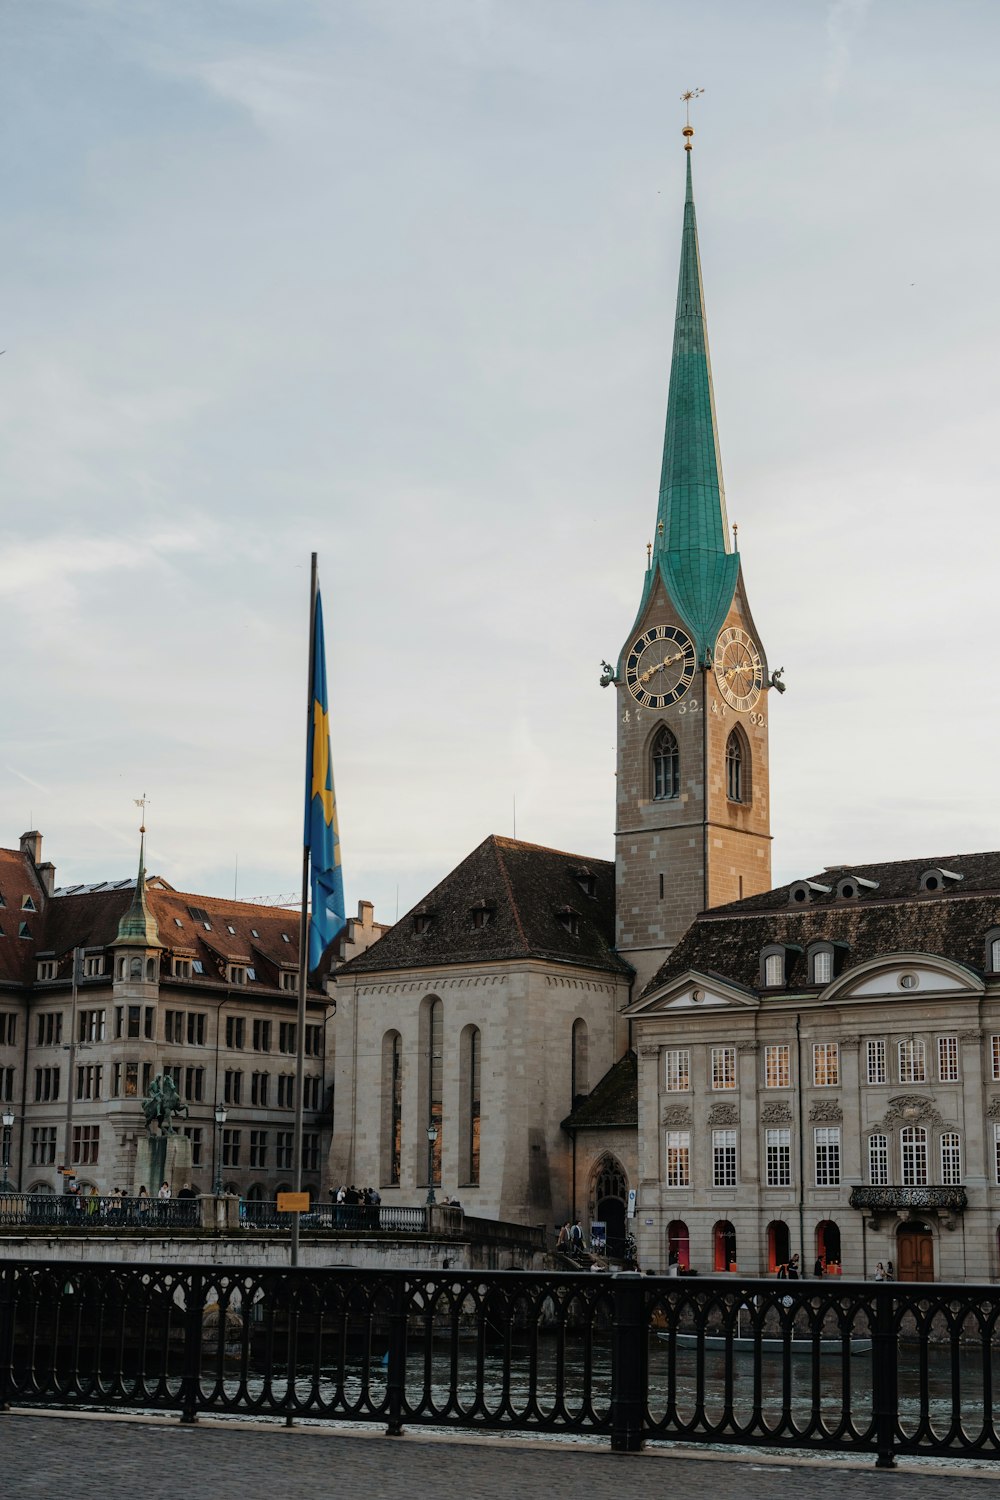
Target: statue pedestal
(159, 1159)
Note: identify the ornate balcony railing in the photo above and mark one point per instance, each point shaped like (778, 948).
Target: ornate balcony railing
(857, 1367)
(951, 1200)
(93, 1211)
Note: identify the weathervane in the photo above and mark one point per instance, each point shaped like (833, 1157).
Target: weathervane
(141, 802)
(688, 130)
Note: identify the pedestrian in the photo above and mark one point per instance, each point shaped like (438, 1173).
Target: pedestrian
(880, 1272)
(793, 1267)
(164, 1193)
(93, 1202)
(890, 1274)
(818, 1267)
(563, 1239)
(142, 1200)
(576, 1236)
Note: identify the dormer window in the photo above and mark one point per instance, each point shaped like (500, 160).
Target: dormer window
(93, 966)
(939, 880)
(27, 904)
(181, 968)
(569, 919)
(285, 938)
(47, 968)
(993, 951)
(289, 980)
(850, 887)
(821, 963)
(773, 967)
(803, 891)
(422, 923)
(254, 932)
(236, 974)
(197, 967)
(23, 930)
(587, 881)
(252, 974)
(481, 914)
(178, 922)
(230, 929)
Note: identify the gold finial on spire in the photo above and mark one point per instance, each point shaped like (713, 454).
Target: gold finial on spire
(141, 802)
(736, 537)
(688, 130)
(649, 554)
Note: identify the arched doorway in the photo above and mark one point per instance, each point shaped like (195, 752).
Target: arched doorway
(779, 1245)
(610, 1198)
(724, 1245)
(828, 1245)
(914, 1252)
(678, 1245)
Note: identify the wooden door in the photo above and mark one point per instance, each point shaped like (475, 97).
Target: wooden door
(915, 1251)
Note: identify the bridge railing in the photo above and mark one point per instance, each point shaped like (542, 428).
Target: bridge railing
(359, 1217)
(97, 1211)
(863, 1368)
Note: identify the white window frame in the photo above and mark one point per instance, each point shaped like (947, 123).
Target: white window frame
(996, 1154)
(826, 1065)
(995, 1056)
(774, 970)
(995, 955)
(914, 1156)
(950, 1153)
(826, 1155)
(947, 1059)
(93, 966)
(723, 1068)
(878, 1159)
(677, 1070)
(778, 1156)
(724, 1163)
(777, 1066)
(878, 1071)
(822, 965)
(911, 1060)
(677, 1158)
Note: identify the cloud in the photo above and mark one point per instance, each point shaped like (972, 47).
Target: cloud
(844, 22)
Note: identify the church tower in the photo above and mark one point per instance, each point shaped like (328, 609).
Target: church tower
(693, 816)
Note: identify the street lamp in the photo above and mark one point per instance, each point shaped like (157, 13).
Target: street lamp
(220, 1120)
(432, 1136)
(6, 1186)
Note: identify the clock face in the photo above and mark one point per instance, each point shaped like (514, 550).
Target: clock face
(660, 666)
(739, 670)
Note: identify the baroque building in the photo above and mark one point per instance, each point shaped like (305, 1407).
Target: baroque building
(819, 1072)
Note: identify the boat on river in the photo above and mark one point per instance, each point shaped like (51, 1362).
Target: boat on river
(717, 1343)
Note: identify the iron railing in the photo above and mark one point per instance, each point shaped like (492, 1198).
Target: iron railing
(261, 1214)
(952, 1200)
(67, 1211)
(882, 1369)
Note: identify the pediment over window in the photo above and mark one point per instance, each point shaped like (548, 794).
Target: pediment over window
(693, 992)
(904, 976)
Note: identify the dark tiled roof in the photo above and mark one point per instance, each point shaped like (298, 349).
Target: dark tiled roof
(614, 1102)
(17, 954)
(525, 889)
(90, 918)
(896, 917)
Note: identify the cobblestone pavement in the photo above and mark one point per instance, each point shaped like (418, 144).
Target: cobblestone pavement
(76, 1458)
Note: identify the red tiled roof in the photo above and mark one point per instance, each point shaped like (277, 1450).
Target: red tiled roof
(17, 954)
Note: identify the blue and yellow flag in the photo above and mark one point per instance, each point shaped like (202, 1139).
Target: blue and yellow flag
(322, 838)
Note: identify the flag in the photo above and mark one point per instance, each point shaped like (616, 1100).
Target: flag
(321, 836)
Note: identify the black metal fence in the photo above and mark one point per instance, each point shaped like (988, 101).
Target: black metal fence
(93, 1211)
(883, 1369)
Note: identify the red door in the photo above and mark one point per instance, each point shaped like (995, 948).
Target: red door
(915, 1251)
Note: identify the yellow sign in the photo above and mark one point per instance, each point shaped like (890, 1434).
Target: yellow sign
(293, 1203)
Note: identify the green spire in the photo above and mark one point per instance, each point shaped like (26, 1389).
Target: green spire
(137, 928)
(691, 549)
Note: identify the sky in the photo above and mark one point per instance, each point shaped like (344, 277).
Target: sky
(393, 280)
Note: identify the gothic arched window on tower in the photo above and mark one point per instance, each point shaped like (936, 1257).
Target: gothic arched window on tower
(737, 767)
(666, 766)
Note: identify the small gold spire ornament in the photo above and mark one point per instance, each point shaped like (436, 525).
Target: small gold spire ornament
(688, 130)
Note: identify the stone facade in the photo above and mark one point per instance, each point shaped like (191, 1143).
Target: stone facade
(858, 1094)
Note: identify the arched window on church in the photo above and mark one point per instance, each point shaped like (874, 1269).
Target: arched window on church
(435, 1090)
(666, 767)
(581, 1061)
(737, 767)
(470, 1066)
(392, 1107)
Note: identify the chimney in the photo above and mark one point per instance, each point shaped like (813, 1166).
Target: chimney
(47, 875)
(31, 845)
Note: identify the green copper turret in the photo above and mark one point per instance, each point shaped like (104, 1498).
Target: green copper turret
(691, 550)
(137, 928)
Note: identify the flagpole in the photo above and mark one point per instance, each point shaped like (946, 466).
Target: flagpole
(300, 1029)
